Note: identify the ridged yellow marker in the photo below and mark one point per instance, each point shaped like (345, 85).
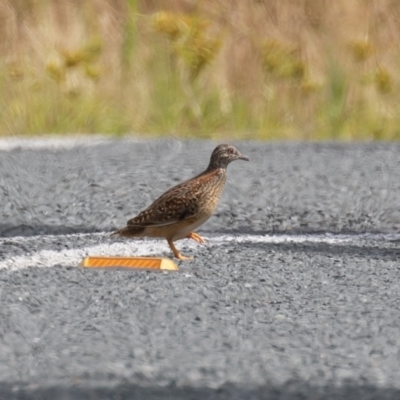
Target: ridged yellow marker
(164, 264)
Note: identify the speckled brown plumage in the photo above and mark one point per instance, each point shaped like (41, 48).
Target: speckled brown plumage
(183, 208)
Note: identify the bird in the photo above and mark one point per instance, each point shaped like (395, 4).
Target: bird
(183, 208)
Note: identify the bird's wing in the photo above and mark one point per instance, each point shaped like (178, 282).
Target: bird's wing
(177, 204)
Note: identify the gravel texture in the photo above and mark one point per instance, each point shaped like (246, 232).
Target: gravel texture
(242, 320)
(307, 187)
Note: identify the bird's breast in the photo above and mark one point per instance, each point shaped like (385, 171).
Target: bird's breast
(212, 191)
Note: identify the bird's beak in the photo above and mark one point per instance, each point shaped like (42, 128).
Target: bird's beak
(241, 157)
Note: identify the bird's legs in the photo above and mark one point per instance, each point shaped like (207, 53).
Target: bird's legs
(196, 237)
(176, 252)
(192, 235)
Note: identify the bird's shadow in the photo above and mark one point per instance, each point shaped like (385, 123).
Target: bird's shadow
(368, 250)
(293, 390)
(330, 250)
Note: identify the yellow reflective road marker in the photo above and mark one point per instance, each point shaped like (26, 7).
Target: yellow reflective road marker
(164, 264)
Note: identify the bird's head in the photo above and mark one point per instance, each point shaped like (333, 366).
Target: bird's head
(223, 155)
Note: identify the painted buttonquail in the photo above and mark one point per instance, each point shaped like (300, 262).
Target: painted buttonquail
(183, 208)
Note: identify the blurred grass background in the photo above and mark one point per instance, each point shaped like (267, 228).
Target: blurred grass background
(254, 69)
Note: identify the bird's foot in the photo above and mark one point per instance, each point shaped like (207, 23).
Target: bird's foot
(196, 237)
(176, 252)
(182, 257)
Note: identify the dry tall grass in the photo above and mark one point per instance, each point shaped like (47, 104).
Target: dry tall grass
(297, 69)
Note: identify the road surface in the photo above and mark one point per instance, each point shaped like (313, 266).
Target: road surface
(295, 295)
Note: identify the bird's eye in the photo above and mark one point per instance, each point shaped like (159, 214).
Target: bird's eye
(230, 151)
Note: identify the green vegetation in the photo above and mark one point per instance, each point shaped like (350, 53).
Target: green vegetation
(271, 69)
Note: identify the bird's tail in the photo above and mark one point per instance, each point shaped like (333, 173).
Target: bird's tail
(129, 231)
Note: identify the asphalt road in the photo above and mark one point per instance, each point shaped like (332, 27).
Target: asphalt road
(243, 320)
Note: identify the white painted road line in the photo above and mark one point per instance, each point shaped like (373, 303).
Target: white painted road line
(71, 257)
(57, 142)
